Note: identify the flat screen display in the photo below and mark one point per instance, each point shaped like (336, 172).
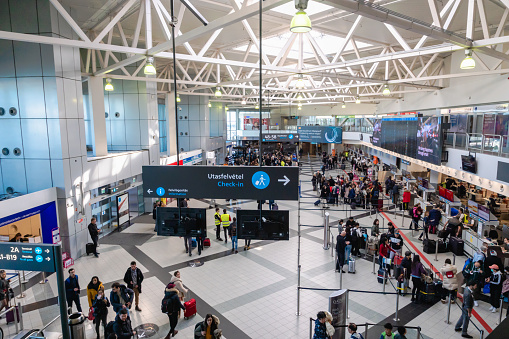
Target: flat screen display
(429, 143)
(377, 133)
(192, 222)
(473, 207)
(468, 163)
(275, 225)
(399, 135)
(484, 212)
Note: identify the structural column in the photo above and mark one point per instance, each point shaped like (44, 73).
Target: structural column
(96, 104)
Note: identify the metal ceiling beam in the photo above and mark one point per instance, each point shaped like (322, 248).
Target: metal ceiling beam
(222, 22)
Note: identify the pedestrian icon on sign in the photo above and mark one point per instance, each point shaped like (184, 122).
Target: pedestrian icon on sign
(260, 180)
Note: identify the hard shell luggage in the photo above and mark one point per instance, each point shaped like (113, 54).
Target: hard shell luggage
(380, 276)
(402, 287)
(442, 246)
(317, 202)
(397, 260)
(353, 205)
(380, 204)
(9, 316)
(275, 207)
(194, 243)
(190, 308)
(89, 248)
(351, 265)
(428, 293)
(206, 242)
(456, 245)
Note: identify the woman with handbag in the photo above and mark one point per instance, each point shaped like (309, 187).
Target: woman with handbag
(100, 309)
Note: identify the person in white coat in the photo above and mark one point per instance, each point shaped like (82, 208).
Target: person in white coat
(182, 291)
(450, 284)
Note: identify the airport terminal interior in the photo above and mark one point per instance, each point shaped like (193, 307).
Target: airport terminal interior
(206, 169)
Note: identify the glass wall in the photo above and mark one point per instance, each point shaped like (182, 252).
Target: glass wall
(163, 130)
(231, 125)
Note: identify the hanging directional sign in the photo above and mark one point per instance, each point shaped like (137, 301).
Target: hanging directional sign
(221, 182)
(27, 257)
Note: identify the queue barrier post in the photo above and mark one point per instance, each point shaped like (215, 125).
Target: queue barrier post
(298, 291)
(340, 277)
(374, 258)
(20, 312)
(385, 278)
(397, 307)
(347, 297)
(366, 332)
(501, 310)
(436, 250)
(482, 334)
(21, 294)
(449, 309)
(310, 328)
(419, 332)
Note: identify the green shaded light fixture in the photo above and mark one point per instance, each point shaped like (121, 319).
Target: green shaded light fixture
(468, 62)
(149, 67)
(109, 85)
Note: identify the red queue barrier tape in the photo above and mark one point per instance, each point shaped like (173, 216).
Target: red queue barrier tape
(476, 315)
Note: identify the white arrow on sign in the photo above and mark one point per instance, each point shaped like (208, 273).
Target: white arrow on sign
(47, 251)
(149, 191)
(285, 180)
(48, 259)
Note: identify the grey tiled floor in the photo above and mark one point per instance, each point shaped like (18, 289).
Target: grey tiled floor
(254, 290)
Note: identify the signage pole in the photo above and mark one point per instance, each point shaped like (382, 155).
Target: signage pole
(59, 267)
(260, 103)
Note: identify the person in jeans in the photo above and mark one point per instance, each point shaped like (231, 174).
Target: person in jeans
(4, 290)
(232, 230)
(426, 223)
(72, 290)
(133, 278)
(417, 272)
(100, 305)
(466, 309)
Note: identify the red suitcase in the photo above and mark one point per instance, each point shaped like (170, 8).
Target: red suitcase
(397, 260)
(190, 308)
(206, 242)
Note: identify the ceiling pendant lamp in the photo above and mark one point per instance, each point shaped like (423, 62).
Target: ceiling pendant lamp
(300, 81)
(257, 106)
(299, 96)
(299, 108)
(109, 86)
(386, 90)
(149, 67)
(468, 62)
(210, 105)
(218, 92)
(357, 100)
(178, 98)
(300, 21)
(299, 104)
(343, 105)
(243, 102)
(226, 108)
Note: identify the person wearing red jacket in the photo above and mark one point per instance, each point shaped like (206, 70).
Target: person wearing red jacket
(406, 199)
(384, 250)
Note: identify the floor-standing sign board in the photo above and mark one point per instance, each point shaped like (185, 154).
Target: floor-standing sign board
(337, 307)
(42, 258)
(221, 182)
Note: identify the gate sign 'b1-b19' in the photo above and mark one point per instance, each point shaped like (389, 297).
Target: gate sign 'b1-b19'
(221, 182)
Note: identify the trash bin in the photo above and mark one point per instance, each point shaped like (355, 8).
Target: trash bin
(77, 325)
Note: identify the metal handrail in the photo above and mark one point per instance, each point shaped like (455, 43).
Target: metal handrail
(34, 335)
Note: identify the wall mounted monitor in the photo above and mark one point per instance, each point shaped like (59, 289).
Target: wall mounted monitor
(429, 140)
(192, 221)
(469, 163)
(274, 225)
(377, 133)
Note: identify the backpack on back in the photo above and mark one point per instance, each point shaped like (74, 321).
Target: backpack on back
(166, 305)
(109, 329)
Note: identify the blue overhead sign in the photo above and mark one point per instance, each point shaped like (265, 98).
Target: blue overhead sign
(321, 134)
(27, 257)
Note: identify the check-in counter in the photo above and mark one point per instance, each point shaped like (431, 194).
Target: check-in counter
(474, 242)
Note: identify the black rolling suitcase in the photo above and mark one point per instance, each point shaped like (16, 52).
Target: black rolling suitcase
(442, 246)
(89, 248)
(343, 167)
(456, 245)
(380, 276)
(429, 246)
(428, 293)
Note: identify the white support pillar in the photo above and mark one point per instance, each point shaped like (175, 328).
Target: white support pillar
(171, 138)
(96, 103)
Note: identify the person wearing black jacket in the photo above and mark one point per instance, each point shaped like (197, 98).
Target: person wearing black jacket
(396, 243)
(72, 290)
(350, 222)
(100, 306)
(406, 264)
(4, 290)
(122, 327)
(340, 250)
(133, 278)
(94, 234)
(172, 300)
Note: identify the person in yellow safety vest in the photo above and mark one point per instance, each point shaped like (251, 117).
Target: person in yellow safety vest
(217, 222)
(225, 222)
(388, 332)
